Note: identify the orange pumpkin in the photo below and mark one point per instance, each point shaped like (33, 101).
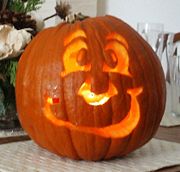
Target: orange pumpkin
(90, 90)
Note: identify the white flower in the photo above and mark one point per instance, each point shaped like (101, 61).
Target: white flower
(12, 41)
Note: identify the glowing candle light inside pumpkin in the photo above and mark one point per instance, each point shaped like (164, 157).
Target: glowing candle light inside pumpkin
(52, 101)
(96, 99)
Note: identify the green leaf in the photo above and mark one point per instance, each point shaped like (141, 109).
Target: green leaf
(8, 69)
(11, 72)
(25, 6)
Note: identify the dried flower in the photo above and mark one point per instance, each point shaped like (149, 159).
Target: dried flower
(63, 9)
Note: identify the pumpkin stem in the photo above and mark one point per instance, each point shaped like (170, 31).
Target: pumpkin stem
(76, 17)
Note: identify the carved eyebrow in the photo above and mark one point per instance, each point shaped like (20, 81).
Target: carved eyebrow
(119, 38)
(74, 43)
(74, 35)
(74, 47)
(119, 46)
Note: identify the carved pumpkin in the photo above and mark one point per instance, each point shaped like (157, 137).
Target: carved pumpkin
(90, 90)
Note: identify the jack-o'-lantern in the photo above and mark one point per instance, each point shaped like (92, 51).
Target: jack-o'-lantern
(90, 90)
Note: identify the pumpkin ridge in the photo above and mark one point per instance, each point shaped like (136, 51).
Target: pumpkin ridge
(98, 41)
(144, 78)
(157, 92)
(122, 81)
(68, 29)
(149, 95)
(131, 136)
(33, 44)
(93, 25)
(94, 145)
(47, 127)
(115, 25)
(71, 133)
(107, 26)
(25, 75)
(65, 111)
(158, 97)
(27, 59)
(146, 121)
(151, 63)
(91, 30)
(96, 26)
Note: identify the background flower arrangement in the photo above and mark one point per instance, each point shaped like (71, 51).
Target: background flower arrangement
(18, 25)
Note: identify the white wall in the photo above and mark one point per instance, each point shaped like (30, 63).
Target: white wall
(47, 10)
(87, 7)
(133, 11)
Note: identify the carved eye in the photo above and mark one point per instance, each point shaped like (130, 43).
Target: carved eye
(75, 55)
(111, 59)
(117, 58)
(81, 57)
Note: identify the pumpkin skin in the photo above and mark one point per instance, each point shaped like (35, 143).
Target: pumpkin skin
(52, 109)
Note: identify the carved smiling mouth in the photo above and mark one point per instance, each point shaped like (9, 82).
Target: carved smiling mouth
(118, 130)
(96, 99)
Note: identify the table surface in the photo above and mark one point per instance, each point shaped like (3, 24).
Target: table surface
(171, 134)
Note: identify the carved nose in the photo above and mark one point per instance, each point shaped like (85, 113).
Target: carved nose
(96, 99)
(99, 81)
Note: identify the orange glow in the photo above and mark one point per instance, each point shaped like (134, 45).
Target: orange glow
(52, 101)
(119, 130)
(74, 35)
(96, 99)
(77, 42)
(72, 51)
(70, 58)
(118, 45)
